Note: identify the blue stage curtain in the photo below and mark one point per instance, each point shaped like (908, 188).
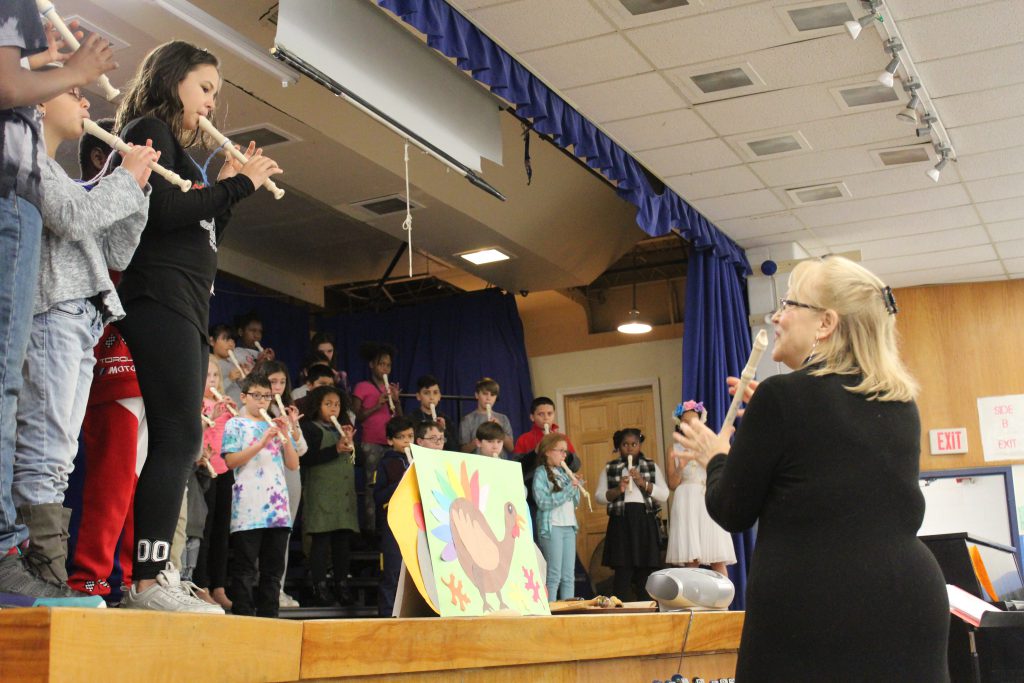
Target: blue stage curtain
(285, 325)
(453, 35)
(716, 344)
(458, 340)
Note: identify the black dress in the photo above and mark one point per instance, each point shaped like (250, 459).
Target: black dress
(840, 588)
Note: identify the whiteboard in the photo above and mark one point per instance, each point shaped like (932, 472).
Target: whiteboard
(975, 503)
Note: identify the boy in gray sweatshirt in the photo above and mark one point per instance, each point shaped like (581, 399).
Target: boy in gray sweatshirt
(84, 234)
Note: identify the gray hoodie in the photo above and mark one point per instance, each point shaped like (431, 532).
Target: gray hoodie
(85, 234)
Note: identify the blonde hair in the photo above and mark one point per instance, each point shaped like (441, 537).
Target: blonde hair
(864, 340)
(215, 362)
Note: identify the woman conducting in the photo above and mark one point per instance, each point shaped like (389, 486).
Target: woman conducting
(826, 461)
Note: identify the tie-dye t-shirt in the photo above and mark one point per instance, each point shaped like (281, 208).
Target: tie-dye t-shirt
(21, 146)
(259, 497)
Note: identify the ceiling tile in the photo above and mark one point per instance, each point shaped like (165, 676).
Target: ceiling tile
(973, 72)
(904, 9)
(1009, 230)
(626, 98)
(987, 270)
(711, 36)
(475, 4)
(1003, 210)
(911, 244)
(853, 130)
(691, 157)
(880, 207)
(777, 109)
(533, 24)
(623, 18)
(911, 224)
(985, 137)
(997, 188)
(659, 130)
(742, 204)
(1014, 265)
(989, 164)
(1008, 250)
(756, 226)
(812, 168)
(723, 181)
(893, 180)
(930, 260)
(588, 61)
(967, 29)
(799, 237)
(977, 107)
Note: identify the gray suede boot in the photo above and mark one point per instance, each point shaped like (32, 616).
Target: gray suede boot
(47, 535)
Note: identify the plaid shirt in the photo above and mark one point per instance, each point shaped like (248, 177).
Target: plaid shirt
(614, 471)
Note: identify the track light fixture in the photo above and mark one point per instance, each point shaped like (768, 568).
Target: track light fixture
(855, 27)
(892, 46)
(909, 113)
(934, 173)
(926, 130)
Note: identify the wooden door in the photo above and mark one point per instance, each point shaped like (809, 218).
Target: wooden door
(590, 421)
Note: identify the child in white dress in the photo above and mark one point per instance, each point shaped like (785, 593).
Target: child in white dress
(693, 537)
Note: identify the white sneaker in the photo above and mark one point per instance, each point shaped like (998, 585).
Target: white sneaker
(285, 600)
(169, 594)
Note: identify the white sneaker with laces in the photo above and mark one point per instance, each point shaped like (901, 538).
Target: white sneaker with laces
(285, 600)
(169, 594)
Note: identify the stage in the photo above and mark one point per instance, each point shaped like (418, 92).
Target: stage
(81, 646)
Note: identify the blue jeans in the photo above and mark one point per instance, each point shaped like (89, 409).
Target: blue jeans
(21, 230)
(560, 553)
(57, 377)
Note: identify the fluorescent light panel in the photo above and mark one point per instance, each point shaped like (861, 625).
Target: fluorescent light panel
(229, 38)
(484, 256)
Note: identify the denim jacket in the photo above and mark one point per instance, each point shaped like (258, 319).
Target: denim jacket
(548, 499)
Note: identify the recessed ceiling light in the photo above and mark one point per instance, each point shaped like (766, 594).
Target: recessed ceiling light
(483, 256)
(776, 145)
(817, 17)
(636, 7)
(815, 194)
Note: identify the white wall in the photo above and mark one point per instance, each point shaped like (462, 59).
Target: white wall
(657, 359)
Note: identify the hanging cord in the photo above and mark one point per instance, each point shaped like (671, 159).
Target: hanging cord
(103, 171)
(205, 167)
(526, 154)
(407, 223)
(686, 637)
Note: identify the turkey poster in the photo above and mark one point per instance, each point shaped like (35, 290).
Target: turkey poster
(479, 535)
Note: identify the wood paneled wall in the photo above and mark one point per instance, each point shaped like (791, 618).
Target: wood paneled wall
(962, 342)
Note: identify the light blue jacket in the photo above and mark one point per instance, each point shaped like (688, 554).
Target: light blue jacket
(548, 499)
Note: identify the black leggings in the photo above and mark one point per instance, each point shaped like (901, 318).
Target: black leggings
(330, 546)
(171, 358)
(212, 566)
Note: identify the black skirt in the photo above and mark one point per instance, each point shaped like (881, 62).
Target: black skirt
(632, 539)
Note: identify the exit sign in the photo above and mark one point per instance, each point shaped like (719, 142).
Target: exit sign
(946, 441)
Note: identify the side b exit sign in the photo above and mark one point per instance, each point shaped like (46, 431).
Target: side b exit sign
(947, 441)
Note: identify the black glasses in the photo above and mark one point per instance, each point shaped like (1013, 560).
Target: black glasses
(785, 304)
(434, 439)
(260, 397)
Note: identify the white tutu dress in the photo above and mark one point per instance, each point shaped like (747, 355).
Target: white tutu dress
(692, 534)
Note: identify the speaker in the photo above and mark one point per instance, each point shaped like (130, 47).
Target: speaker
(680, 588)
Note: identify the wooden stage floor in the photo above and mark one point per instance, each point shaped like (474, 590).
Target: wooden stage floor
(81, 646)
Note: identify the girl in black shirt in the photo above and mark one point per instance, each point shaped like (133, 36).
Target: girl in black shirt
(166, 291)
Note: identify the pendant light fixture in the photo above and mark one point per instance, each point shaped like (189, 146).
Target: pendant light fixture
(633, 324)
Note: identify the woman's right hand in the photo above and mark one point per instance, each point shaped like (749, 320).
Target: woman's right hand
(90, 61)
(733, 383)
(259, 168)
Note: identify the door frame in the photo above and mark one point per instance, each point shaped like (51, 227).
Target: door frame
(653, 383)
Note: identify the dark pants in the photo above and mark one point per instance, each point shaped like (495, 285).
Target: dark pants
(631, 578)
(171, 358)
(212, 566)
(327, 548)
(392, 561)
(266, 547)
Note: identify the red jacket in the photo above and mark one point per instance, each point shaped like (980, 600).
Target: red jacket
(528, 442)
(114, 374)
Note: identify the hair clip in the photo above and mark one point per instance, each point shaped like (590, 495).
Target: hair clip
(890, 300)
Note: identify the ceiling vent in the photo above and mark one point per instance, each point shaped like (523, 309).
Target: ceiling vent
(865, 96)
(386, 206)
(703, 83)
(88, 28)
(637, 7)
(898, 156)
(264, 135)
(760, 147)
(818, 194)
(809, 18)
